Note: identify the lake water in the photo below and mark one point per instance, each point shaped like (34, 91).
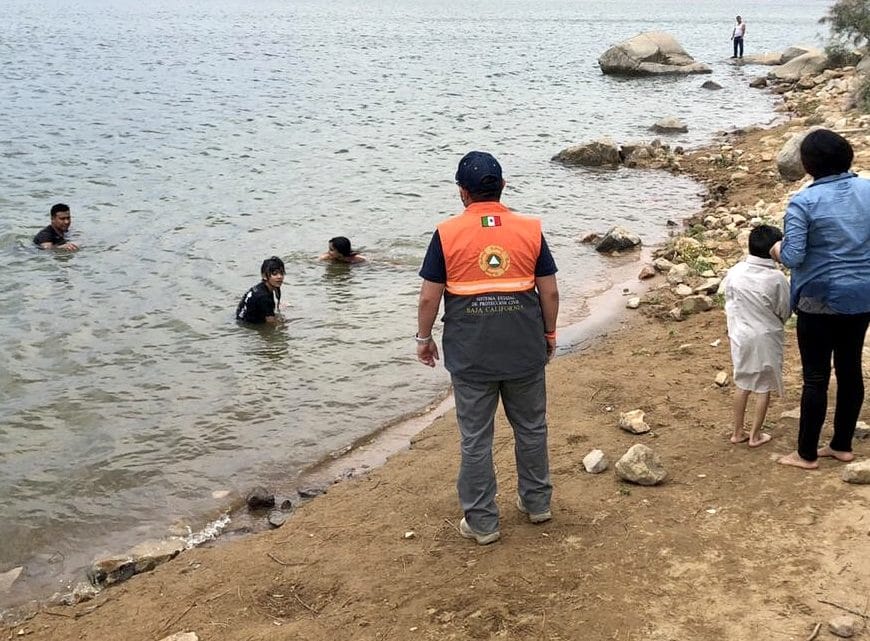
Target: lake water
(194, 139)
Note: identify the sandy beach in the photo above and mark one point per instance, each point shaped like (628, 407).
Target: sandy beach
(731, 546)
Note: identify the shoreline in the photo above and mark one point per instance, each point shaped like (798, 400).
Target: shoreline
(578, 341)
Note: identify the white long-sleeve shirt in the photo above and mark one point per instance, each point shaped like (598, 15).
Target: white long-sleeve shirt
(756, 307)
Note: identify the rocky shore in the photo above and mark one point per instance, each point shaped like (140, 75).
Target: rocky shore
(685, 537)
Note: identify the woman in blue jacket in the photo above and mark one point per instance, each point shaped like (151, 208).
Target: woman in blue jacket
(827, 247)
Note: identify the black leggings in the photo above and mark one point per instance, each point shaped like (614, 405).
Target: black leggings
(819, 336)
(738, 46)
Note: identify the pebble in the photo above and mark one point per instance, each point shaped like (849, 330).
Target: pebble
(842, 626)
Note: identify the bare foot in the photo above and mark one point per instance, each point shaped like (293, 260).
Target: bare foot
(740, 439)
(795, 460)
(845, 457)
(761, 440)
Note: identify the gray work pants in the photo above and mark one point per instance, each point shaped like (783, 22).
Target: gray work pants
(525, 404)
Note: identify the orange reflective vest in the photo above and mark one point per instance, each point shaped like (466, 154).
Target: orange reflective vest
(488, 248)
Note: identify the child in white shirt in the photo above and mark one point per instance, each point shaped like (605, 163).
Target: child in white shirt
(756, 308)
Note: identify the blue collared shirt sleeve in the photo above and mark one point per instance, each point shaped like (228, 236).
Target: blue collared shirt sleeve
(545, 265)
(434, 268)
(794, 243)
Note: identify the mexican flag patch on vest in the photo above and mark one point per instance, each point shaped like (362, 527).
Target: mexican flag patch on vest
(490, 221)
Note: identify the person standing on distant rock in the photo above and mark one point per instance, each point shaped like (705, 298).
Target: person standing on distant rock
(827, 248)
(737, 37)
(498, 279)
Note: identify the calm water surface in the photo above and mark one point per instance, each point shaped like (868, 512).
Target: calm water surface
(194, 139)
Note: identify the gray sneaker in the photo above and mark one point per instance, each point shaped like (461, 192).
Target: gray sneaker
(538, 517)
(482, 538)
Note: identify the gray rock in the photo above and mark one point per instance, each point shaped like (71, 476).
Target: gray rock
(286, 504)
(790, 53)
(811, 62)
(598, 153)
(595, 462)
(857, 472)
(140, 558)
(663, 265)
(633, 422)
(259, 498)
(682, 290)
(633, 302)
(591, 237)
(863, 66)
(670, 124)
(709, 286)
(679, 274)
(641, 465)
(647, 271)
(770, 59)
(277, 518)
(709, 84)
(9, 577)
(862, 430)
(758, 83)
(788, 160)
(695, 304)
(676, 314)
(649, 54)
(617, 239)
(843, 626)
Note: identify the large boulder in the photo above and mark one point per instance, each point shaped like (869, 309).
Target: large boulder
(772, 58)
(790, 53)
(652, 53)
(863, 66)
(811, 62)
(788, 160)
(599, 153)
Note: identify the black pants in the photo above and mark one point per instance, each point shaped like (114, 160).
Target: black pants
(819, 336)
(738, 43)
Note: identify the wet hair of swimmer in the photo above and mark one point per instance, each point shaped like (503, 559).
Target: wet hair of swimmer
(826, 153)
(59, 208)
(273, 265)
(342, 246)
(762, 238)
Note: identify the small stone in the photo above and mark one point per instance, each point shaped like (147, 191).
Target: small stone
(591, 237)
(633, 302)
(791, 415)
(311, 492)
(721, 379)
(595, 462)
(862, 430)
(277, 518)
(647, 271)
(286, 504)
(410, 534)
(709, 84)
(641, 465)
(220, 494)
(676, 314)
(695, 304)
(857, 472)
(682, 290)
(709, 286)
(679, 273)
(633, 422)
(259, 497)
(662, 265)
(182, 636)
(842, 626)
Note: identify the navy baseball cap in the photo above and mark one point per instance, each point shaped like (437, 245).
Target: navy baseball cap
(479, 173)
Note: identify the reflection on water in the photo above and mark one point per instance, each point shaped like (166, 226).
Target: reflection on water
(192, 140)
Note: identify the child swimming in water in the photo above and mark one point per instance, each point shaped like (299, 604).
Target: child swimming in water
(341, 252)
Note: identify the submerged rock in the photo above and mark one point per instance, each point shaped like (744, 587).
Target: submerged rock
(259, 498)
(9, 577)
(670, 124)
(617, 239)
(598, 153)
(709, 84)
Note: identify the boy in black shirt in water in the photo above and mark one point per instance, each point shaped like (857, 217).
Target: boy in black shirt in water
(260, 303)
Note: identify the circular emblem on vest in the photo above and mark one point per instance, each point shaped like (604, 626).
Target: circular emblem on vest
(494, 261)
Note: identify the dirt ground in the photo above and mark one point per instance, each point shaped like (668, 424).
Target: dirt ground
(732, 546)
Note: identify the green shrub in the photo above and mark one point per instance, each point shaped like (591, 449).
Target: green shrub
(849, 21)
